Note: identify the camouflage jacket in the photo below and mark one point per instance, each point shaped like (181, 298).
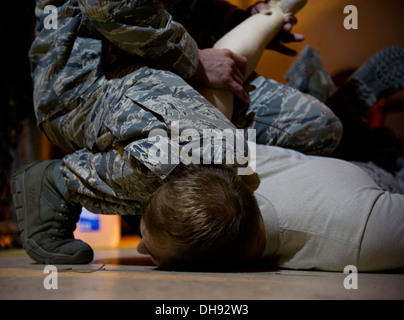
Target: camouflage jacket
(91, 36)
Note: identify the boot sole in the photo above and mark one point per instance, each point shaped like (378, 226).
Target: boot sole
(381, 75)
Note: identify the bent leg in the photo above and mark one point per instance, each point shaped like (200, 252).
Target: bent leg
(115, 172)
(382, 246)
(287, 118)
(108, 182)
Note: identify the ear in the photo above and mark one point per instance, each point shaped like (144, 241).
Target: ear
(141, 248)
(252, 181)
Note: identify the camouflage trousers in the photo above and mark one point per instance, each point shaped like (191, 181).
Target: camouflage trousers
(385, 180)
(291, 119)
(108, 132)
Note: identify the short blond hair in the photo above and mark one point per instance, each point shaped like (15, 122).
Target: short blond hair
(210, 214)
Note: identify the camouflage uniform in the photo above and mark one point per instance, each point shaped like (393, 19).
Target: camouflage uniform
(114, 70)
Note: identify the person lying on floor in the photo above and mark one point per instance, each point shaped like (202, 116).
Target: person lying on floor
(123, 70)
(308, 212)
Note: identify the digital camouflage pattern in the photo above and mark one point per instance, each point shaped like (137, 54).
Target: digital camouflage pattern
(385, 180)
(286, 117)
(113, 71)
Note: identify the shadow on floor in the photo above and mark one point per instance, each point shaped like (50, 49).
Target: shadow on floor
(126, 261)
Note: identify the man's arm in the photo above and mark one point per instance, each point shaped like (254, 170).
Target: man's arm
(252, 36)
(249, 39)
(145, 29)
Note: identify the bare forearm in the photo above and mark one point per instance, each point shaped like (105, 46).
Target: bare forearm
(248, 39)
(251, 37)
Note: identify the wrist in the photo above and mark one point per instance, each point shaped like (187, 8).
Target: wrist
(287, 7)
(276, 6)
(199, 76)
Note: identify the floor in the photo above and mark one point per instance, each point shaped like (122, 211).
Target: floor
(123, 274)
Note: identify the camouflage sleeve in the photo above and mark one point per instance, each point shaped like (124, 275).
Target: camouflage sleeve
(144, 28)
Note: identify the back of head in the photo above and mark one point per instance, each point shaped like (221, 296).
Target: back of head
(210, 216)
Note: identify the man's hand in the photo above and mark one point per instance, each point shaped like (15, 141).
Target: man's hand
(259, 7)
(285, 36)
(222, 69)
